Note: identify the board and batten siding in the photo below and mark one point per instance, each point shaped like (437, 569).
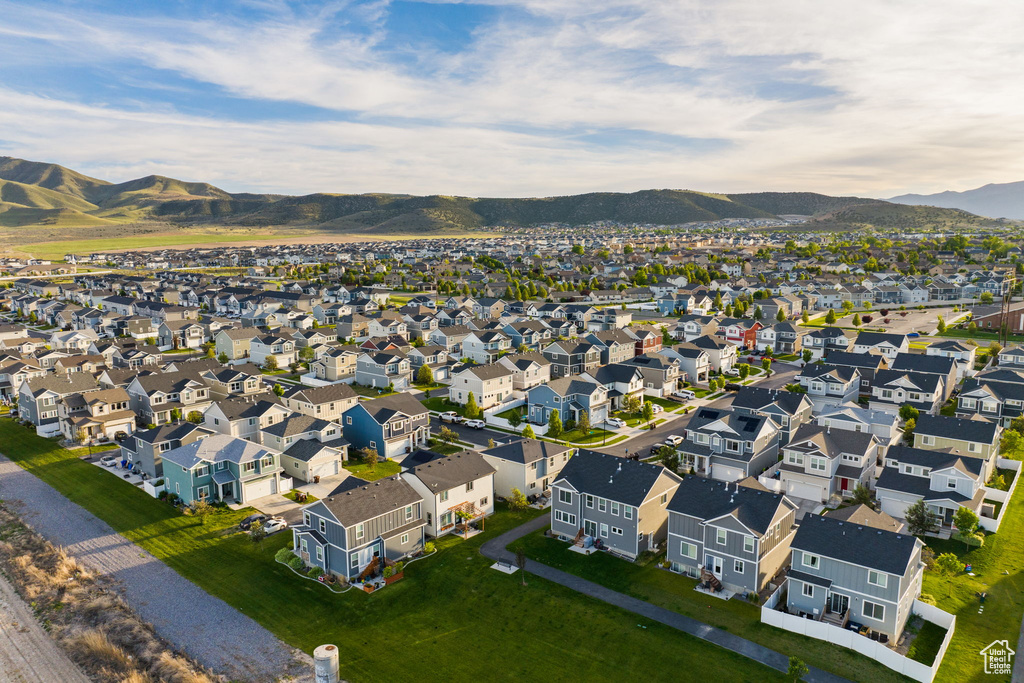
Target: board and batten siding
(383, 524)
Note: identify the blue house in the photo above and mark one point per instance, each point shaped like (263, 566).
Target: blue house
(222, 468)
(392, 425)
(569, 396)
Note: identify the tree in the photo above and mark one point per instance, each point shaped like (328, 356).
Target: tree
(985, 298)
(448, 436)
(517, 501)
(528, 432)
(972, 328)
(949, 567)
(966, 523)
(472, 409)
(666, 338)
(805, 317)
(577, 249)
(744, 370)
(920, 520)
(555, 425)
(909, 412)
(270, 363)
(307, 354)
(648, 412)
(807, 355)
(781, 316)
(278, 390)
(862, 495)
(515, 419)
(908, 430)
(370, 457)
(797, 670)
(425, 375)
(201, 510)
(941, 326)
(223, 358)
(257, 533)
(766, 365)
(856, 320)
(175, 414)
(628, 249)
(521, 562)
(194, 417)
(209, 350)
(830, 317)
(847, 307)
(758, 313)
(583, 422)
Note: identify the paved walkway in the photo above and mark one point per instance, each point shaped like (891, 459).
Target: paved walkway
(495, 549)
(205, 627)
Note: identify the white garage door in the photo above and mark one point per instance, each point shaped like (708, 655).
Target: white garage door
(893, 506)
(326, 469)
(800, 490)
(726, 473)
(258, 489)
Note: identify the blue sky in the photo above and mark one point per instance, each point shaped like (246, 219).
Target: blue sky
(519, 97)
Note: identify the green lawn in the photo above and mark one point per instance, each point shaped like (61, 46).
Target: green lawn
(927, 643)
(372, 392)
(441, 405)
(594, 436)
(451, 618)
(676, 593)
(310, 498)
(384, 468)
(506, 414)
(1004, 606)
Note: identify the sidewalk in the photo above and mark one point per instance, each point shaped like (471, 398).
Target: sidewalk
(495, 549)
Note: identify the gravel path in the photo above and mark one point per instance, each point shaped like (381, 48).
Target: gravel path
(27, 653)
(206, 628)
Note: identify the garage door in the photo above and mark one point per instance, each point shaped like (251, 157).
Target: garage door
(726, 473)
(258, 489)
(326, 469)
(893, 506)
(800, 490)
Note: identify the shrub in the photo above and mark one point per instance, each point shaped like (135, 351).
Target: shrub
(284, 555)
(429, 547)
(295, 563)
(162, 495)
(927, 598)
(315, 573)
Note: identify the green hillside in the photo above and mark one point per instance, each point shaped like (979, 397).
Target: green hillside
(883, 215)
(48, 176)
(36, 197)
(796, 203)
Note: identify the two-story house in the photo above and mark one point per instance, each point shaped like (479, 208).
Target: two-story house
(623, 503)
(457, 489)
(383, 368)
(96, 416)
(361, 523)
(39, 398)
(886, 344)
(728, 445)
(145, 448)
(886, 426)
(824, 340)
(996, 395)
(620, 379)
(528, 369)
(181, 334)
(244, 416)
(820, 462)
(944, 368)
(737, 535)
(616, 346)
(830, 385)
(963, 355)
(894, 388)
(485, 346)
(490, 385)
(867, 364)
(842, 572)
(327, 402)
(392, 425)
(787, 409)
(662, 373)
(572, 357)
(721, 354)
(973, 438)
(221, 468)
(694, 362)
(159, 397)
(568, 396)
(281, 348)
(528, 465)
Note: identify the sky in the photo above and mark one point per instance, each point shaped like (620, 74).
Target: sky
(520, 97)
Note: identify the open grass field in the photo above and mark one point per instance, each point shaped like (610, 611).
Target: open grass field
(675, 592)
(450, 619)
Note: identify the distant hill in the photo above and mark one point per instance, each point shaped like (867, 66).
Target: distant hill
(1003, 200)
(40, 194)
(884, 215)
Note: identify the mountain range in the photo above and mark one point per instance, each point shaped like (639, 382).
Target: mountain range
(999, 200)
(38, 194)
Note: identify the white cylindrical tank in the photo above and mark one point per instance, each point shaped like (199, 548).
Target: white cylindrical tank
(325, 664)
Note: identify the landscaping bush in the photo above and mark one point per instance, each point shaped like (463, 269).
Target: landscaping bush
(295, 563)
(162, 495)
(284, 555)
(315, 573)
(429, 547)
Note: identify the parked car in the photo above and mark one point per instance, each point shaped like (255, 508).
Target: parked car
(120, 436)
(476, 424)
(733, 386)
(656, 408)
(685, 393)
(247, 523)
(275, 524)
(615, 422)
(451, 416)
(673, 439)
(658, 446)
(732, 372)
(108, 460)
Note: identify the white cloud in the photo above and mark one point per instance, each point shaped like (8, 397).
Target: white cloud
(917, 96)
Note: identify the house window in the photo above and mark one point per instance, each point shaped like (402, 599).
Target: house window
(305, 547)
(323, 526)
(565, 518)
(951, 483)
(872, 610)
(878, 579)
(355, 561)
(927, 440)
(748, 544)
(405, 538)
(808, 590)
(408, 512)
(359, 531)
(602, 504)
(617, 531)
(738, 566)
(305, 519)
(615, 508)
(202, 471)
(443, 496)
(664, 498)
(564, 496)
(319, 553)
(348, 419)
(811, 561)
(483, 501)
(469, 486)
(688, 550)
(604, 530)
(203, 492)
(818, 465)
(721, 536)
(590, 501)
(627, 511)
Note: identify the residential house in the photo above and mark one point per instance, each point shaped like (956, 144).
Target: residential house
(944, 481)
(39, 398)
(572, 357)
(485, 346)
(282, 349)
(490, 385)
(528, 369)
(830, 385)
(528, 465)
(96, 416)
(222, 468)
(327, 402)
(885, 344)
(456, 490)
(729, 445)
(569, 397)
(621, 380)
(894, 388)
(623, 503)
(886, 426)
(335, 363)
(392, 425)
(144, 449)
(973, 438)
(694, 362)
(662, 373)
(820, 462)
(787, 409)
(168, 396)
(824, 340)
(384, 368)
(721, 354)
(963, 355)
(244, 416)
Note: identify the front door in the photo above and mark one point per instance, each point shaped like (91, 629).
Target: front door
(590, 528)
(840, 603)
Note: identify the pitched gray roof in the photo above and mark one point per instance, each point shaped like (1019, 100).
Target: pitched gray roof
(979, 430)
(526, 451)
(320, 395)
(355, 500)
(885, 551)
(458, 469)
(708, 499)
(216, 448)
(608, 476)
